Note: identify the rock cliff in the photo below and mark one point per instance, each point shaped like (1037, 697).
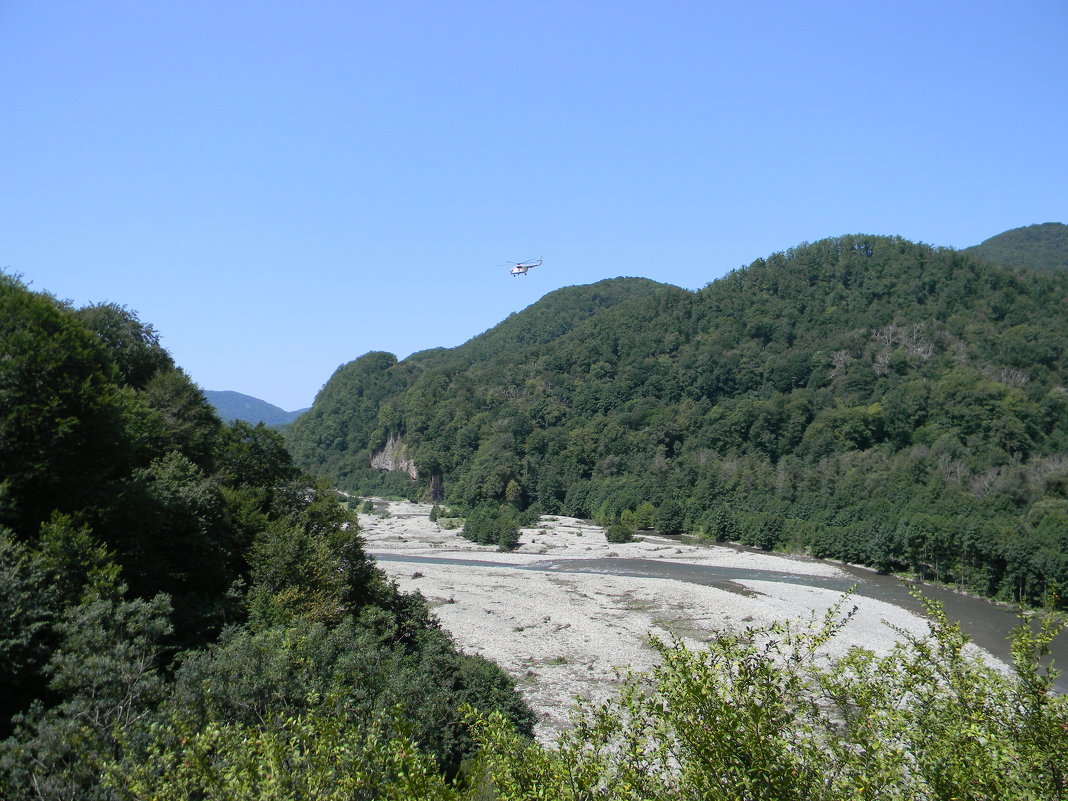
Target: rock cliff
(394, 456)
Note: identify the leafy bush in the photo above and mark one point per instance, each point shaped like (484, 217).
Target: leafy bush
(644, 516)
(498, 526)
(670, 517)
(762, 715)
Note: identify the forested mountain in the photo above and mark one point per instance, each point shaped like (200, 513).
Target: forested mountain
(1042, 247)
(164, 576)
(863, 398)
(183, 614)
(232, 406)
(353, 413)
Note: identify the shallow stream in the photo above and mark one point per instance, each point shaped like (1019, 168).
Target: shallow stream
(988, 624)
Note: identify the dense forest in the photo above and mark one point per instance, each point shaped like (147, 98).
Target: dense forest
(1042, 247)
(185, 615)
(164, 576)
(863, 398)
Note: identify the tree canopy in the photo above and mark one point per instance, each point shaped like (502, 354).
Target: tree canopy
(1042, 247)
(162, 573)
(184, 613)
(864, 398)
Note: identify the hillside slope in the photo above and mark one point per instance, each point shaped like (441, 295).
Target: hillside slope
(863, 398)
(231, 406)
(1042, 247)
(359, 406)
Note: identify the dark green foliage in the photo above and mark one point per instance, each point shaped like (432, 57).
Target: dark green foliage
(361, 406)
(254, 456)
(619, 532)
(670, 517)
(766, 713)
(135, 528)
(555, 315)
(821, 398)
(303, 571)
(189, 422)
(133, 346)
(1042, 247)
(28, 606)
(105, 673)
(344, 420)
(38, 586)
(644, 516)
(723, 527)
(57, 410)
(490, 525)
(361, 668)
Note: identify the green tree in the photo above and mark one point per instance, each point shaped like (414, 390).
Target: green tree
(58, 422)
(189, 421)
(106, 674)
(166, 581)
(644, 516)
(670, 517)
(254, 456)
(28, 605)
(132, 345)
(619, 532)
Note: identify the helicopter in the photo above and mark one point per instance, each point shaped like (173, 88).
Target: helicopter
(521, 267)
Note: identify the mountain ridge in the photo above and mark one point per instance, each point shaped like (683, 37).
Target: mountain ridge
(231, 405)
(931, 379)
(1042, 247)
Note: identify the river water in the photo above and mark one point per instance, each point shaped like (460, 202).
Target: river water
(987, 624)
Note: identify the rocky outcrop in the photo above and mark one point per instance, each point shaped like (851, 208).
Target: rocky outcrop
(434, 489)
(394, 456)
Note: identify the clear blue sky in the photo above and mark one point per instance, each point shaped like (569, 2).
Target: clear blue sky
(280, 187)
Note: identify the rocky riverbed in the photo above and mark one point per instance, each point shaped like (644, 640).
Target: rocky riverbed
(568, 634)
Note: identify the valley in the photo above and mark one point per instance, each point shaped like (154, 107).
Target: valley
(191, 600)
(862, 398)
(562, 632)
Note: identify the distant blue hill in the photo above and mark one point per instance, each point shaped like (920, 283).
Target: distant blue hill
(235, 406)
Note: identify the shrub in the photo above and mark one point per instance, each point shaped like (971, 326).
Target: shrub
(619, 532)
(670, 517)
(763, 714)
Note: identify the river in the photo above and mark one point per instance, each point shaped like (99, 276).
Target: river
(988, 624)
